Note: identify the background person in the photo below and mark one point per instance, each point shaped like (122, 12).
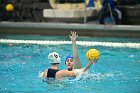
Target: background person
(109, 9)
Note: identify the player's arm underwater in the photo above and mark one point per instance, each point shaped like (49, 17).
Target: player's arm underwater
(78, 63)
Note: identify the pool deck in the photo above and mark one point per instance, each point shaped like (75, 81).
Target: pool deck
(126, 31)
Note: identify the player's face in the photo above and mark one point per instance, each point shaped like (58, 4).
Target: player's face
(70, 63)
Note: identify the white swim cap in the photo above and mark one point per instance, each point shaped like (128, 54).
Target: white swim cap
(54, 57)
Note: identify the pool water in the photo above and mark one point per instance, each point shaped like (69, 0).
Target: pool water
(118, 69)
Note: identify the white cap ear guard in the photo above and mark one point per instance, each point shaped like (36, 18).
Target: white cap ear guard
(54, 57)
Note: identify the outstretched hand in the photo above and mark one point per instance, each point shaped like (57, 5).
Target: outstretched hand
(73, 36)
(93, 61)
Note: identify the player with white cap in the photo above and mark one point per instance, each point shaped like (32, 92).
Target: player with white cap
(55, 60)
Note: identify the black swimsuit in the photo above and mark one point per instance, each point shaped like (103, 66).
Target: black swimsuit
(51, 73)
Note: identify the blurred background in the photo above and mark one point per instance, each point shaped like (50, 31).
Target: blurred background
(32, 10)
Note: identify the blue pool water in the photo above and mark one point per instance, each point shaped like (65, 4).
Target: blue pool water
(118, 69)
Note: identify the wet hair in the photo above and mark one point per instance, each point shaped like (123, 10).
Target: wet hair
(69, 69)
(54, 63)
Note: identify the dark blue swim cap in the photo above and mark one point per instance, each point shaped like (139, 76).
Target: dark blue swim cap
(70, 56)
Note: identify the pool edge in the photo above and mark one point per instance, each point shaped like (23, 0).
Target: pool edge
(64, 29)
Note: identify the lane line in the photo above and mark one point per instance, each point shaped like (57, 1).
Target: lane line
(83, 43)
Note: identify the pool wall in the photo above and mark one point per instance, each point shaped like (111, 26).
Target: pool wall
(64, 29)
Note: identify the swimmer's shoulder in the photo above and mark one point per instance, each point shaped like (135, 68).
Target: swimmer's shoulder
(77, 71)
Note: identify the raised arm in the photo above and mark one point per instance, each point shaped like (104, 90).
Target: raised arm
(78, 63)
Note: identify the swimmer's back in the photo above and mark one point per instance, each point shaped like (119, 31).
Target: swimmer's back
(51, 73)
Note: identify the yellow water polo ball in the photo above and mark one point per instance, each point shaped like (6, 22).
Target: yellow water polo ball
(92, 54)
(9, 7)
